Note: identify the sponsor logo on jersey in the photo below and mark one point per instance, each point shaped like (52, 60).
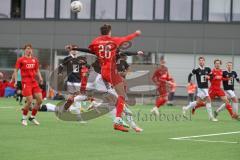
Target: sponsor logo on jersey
(30, 66)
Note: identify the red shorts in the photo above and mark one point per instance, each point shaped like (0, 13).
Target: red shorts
(30, 88)
(213, 93)
(162, 91)
(112, 77)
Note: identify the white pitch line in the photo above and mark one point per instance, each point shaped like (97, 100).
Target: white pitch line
(202, 140)
(6, 107)
(205, 135)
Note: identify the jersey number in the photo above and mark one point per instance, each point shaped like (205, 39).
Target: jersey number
(203, 79)
(105, 51)
(230, 81)
(75, 68)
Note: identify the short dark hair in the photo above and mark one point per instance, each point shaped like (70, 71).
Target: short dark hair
(27, 45)
(105, 29)
(201, 57)
(218, 61)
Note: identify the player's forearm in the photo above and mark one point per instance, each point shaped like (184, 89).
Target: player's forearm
(189, 77)
(131, 36)
(39, 75)
(128, 53)
(86, 50)
(14, 76)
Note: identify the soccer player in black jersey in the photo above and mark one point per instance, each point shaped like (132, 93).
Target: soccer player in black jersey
(202, 74)
(228, 86)
(75, 66)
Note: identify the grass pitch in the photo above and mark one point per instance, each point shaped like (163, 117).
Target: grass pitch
(96, 140)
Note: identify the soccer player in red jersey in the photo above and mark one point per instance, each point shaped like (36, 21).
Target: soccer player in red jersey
(161, 78)
(215, 89)
(105, 48)
(29, 67)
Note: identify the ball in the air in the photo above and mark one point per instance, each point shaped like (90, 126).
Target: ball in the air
(76, 6)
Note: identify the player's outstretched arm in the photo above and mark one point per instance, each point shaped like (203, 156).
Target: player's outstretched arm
(128, 53)
(131, 36)
(86, 50)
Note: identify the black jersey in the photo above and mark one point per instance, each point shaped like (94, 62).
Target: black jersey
(122, 66)
(201, 74)
(73, 67)
(229, 84)
(96, 66)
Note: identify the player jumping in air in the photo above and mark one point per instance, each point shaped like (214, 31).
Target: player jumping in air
(202, 75)
(228, 87)
(161, 78)
(102, 47)
(29, 67)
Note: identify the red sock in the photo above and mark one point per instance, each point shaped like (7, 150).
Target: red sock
(229, 108)
(199, 105)
(120, 104)
(25, 112)
(34, 112)
(160, 101)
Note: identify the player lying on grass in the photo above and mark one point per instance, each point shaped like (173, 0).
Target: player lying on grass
(29, 67)
(162, 80)
(228, 87)
(202, 75)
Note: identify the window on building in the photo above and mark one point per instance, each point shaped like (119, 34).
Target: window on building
(121, 9)
(65, 12)
(180, 10)
(5, 8)
(16, 9)
(159, 9)
(50, 8)
(142, 10)
(34, 9)
(219, 10)
(104, 11)
(236, 10)
(197, 10)
(86, 12)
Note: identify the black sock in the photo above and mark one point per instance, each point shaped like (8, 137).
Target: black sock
(43, 108)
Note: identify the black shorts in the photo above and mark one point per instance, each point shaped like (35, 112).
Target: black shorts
(19, 85)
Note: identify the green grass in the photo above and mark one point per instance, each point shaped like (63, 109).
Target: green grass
(59, 140)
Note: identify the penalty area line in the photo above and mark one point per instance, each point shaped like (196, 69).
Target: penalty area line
(208, 141)
(190, 138)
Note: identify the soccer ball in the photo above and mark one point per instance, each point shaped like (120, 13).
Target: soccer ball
(76, 6)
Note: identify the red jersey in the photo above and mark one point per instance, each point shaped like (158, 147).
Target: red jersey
(160, 76)
(105, 48)
(28, 67)
(216, 79)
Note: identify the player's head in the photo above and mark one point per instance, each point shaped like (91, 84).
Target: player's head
(123, 57)
(73, 52)
(201, 61)
(162, 61)
(28, 50)
(83, 60)
(229, 66)
(106, 29)
(217, 63)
